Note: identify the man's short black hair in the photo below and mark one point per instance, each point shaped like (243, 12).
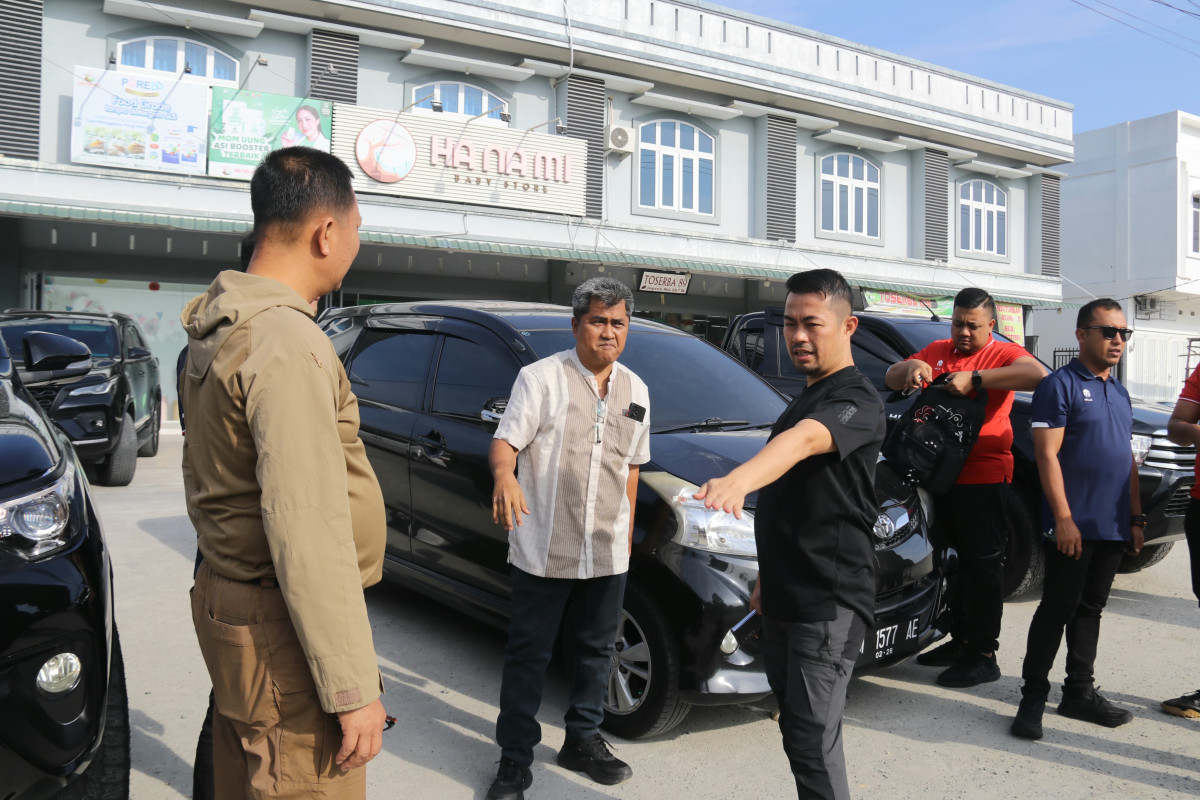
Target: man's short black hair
(248, 242)
(974, 297)
(1092, 306)
(293, 183)
(826, 282)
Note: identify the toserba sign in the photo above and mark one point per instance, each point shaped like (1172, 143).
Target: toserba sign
(444, 157)
(664, 282)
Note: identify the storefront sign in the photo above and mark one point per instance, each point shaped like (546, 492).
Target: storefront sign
(896, 303)
(245, 126)
(138, 121)
(665, 282)
(1010, 320)
(445, 157)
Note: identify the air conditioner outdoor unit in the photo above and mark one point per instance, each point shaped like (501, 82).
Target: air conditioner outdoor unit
(618, 140)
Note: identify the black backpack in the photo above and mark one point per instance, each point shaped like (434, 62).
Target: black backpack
(930, 442)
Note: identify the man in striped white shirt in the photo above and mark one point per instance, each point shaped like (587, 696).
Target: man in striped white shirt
(578, 426)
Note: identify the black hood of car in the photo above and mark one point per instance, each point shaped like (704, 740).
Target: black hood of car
(696, 456)
(28, 444)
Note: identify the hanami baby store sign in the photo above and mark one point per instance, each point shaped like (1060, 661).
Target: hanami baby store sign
(436, 157)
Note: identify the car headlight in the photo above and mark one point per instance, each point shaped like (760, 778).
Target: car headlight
(37, 524)
(698, 527)
(1141, 448)
(94, 388)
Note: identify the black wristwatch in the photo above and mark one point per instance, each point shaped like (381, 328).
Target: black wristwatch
(1138, 520)
(976, 380)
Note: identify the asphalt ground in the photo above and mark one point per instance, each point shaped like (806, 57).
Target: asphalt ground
(905, 736)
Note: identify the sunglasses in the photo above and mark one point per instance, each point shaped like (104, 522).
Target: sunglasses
(1110, 331)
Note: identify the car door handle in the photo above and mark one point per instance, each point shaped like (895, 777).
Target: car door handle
(433, 443)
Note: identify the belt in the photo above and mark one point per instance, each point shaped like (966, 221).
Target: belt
(269, 582)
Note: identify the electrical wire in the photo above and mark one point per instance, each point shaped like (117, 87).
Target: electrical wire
(1135, 28)
(1148, 22)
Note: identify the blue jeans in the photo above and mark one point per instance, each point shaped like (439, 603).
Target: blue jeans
(593, 610)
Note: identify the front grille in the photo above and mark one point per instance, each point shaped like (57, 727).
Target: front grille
(903, 532)
(44, 395)
(1177, 505)
(1165, 455)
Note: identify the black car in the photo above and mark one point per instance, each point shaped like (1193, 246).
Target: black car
(1166, 471)
(64, 712)
(113, 413)
(432, 380)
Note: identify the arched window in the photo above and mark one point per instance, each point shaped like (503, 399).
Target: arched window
(462, 99)
(982, 218)
(677, 166)
(849, 195)
(165, 54)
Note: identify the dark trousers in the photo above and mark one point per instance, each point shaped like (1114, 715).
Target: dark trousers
(202, 767)
(1191, 527)
(808, 665)
(977, 528)
(593, 609)
(1073, 597)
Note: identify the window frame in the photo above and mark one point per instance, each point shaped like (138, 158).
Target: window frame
(676, 210)
(851, 183)
(1194, 211)
(180, 60)
(420, 90)
(982, 206)
(496, 348)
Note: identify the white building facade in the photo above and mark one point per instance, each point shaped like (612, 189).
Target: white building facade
(513, 151)
(1131, 231)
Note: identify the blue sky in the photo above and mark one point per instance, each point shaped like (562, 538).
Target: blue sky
(1053, 47)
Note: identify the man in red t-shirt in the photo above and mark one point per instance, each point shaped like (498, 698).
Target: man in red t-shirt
(976, 505)
(1184, 430)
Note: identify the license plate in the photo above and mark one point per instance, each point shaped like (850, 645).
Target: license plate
(889, 640)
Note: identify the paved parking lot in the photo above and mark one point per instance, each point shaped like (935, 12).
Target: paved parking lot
(905, 736)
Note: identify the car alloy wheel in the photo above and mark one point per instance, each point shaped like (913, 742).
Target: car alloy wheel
(631, 670)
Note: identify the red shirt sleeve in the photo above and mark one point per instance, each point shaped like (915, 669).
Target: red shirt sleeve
(1008, 353)
(1191, 387)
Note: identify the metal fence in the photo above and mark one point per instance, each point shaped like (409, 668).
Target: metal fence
(1062, 357)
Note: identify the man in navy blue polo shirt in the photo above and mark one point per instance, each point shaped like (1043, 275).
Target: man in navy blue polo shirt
(1091, 516)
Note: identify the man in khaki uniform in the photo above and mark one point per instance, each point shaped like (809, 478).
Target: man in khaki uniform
(288, 514)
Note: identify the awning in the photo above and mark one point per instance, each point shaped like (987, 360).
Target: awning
(240, 225)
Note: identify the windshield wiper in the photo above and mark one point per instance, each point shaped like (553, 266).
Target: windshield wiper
(712, 423)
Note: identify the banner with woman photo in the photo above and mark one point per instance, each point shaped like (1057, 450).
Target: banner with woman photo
(244, 126)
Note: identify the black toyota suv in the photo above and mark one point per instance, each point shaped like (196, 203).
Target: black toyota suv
(1166, 470)
(432, 380)
(64, 718)
(113, 413)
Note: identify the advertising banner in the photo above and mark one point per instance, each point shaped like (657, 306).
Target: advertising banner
(908, 305)
(245, 126)
(138, 121)
(1010, 320)
(447, 157)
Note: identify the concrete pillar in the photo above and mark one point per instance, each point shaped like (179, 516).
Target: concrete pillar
(10, 263)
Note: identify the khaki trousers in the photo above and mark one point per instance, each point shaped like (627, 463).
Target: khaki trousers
(271, 739)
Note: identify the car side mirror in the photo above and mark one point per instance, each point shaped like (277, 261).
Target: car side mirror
(493, 409)
(136, 353)
(50, 356)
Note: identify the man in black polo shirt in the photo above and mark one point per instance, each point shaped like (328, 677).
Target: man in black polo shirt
(816, 586)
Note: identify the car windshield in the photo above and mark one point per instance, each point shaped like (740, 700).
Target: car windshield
(100, 337)
(690, 381)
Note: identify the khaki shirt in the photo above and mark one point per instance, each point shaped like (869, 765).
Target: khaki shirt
(276, 479)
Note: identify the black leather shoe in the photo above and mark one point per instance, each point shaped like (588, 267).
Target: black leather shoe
(971, 670)
(594, 756)
(1090, 706)
(1028, 722)
(944, 655)
(511, 781)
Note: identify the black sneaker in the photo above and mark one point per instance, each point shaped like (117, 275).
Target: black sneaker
(1090, 706)
(511, 781)
(971, 670)
(943, 655)
(594, 756)
(1187, 706)
(1028, 722)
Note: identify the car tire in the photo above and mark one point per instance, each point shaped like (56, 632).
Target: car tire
(118, 468)
(107, 777)
(643, 686)
(150, 448)
(1151, 554)
(1024, 558)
